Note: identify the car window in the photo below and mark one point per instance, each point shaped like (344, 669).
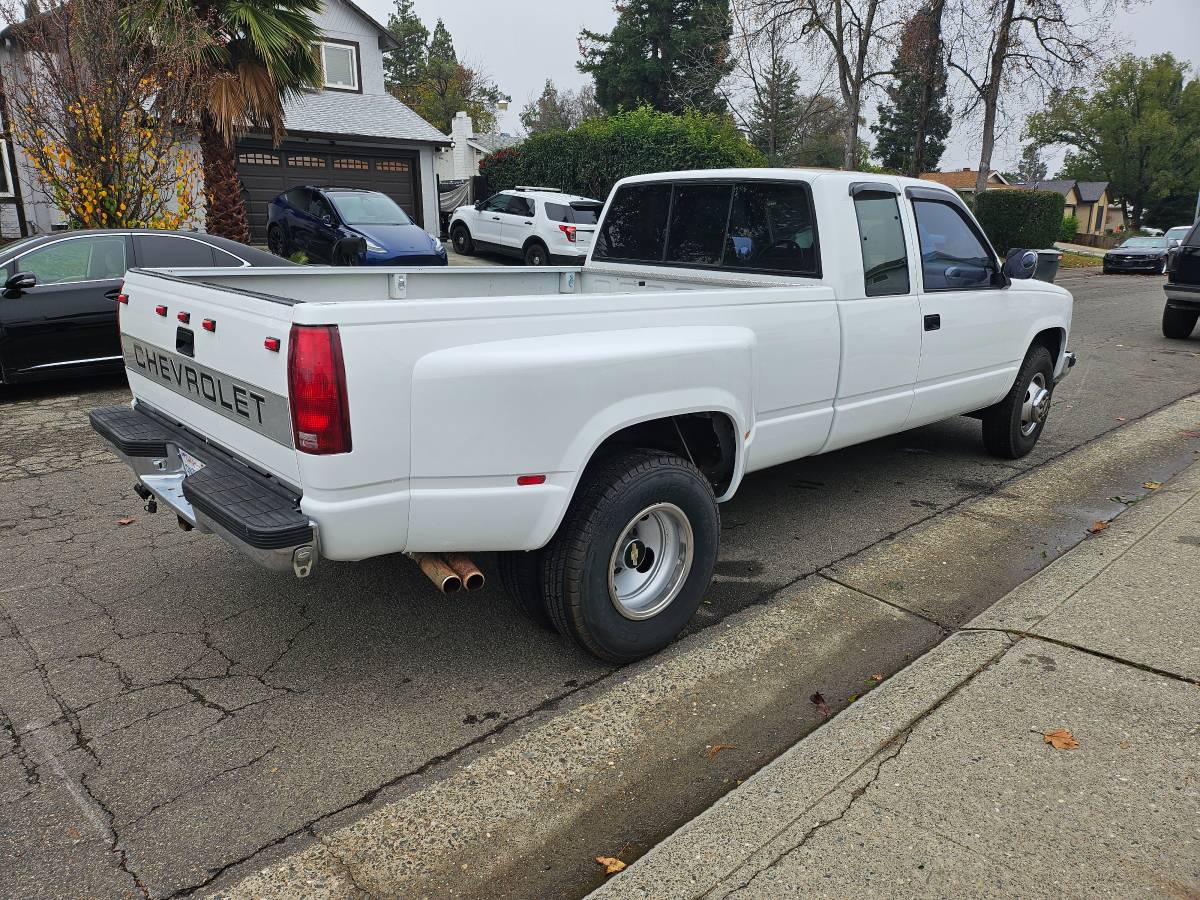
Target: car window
(318, 206)
(298, 197)
(881, 236)
(368, 208)
(76, 259)
(164, 251)
(226, 259)
(771, 229)
(1146, 243)
(952, 255)
(519, 206)
(498, 203)
(1178, 233)
(636, 225)
(1193, 239)
(697, 230)
(576, 213)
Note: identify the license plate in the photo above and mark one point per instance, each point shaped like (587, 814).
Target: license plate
(191, 465)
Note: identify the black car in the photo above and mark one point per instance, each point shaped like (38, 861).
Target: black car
(1138, 254)
(1183, 288)
(348, 227)
(58, 312)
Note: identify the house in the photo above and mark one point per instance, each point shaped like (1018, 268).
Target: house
(461, 159)
(962, 181)
(1087, 201)
(350, 133)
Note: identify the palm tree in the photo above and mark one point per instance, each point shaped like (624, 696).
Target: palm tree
(259, 53)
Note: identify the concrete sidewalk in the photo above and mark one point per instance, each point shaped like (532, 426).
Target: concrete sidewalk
(940, 782)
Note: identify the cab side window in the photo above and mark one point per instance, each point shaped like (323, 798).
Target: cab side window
(520, 206)
(76, 259)
(881, 238)
(635, 228)
(498, 203)
(953, 257)
(771, 229)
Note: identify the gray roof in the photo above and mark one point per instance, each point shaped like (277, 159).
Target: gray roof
(360, 115)
(490, 143)
(1090, 191)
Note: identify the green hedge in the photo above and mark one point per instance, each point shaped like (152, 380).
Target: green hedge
(1068, 229)
(590, 159)
(1030, 220)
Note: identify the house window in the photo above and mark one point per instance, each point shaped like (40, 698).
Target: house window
(258, 159)
(306, 162)
(6, 188)
(392, 165)
(341, 66)
(351, 164)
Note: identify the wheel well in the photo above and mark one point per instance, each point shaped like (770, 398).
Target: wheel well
(459, 223)
(709, 439)
(534, 240)
(1052, 340)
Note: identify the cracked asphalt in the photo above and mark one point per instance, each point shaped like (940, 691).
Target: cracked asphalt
(175, 718)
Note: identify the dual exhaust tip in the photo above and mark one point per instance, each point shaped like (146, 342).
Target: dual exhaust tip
(450, 572)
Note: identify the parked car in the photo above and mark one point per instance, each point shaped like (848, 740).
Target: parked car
(1176, 235)
(585, 423)
(1183, 287)
(348, 227)
(58, 313)
(542, 226)
(1138, 254)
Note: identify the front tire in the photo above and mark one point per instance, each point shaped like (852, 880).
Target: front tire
(460, 237)
(277, 241)
(537, 255)
(1178, 323)
(1012, 427)
(634, 555)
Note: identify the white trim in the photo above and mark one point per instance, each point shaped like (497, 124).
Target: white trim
(72, 362)
(353, 51)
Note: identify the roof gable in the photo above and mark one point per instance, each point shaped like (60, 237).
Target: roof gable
(387, 43)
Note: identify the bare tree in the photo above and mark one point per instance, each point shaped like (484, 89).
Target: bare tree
(853, 34)
(1045, 44)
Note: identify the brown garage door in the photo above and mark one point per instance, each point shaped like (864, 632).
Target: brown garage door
(267, 172)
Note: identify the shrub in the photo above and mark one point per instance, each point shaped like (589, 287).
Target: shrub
(1030, 220)
(1068, 229)
(592, 157)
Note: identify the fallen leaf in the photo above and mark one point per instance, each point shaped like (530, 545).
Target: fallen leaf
(717, 748)
(877, 677)
(1124, 745)
(611, 864)
(821, 705)
(1120, 418)
(128, 520)
(1152, 485)
(1060, 739)
(1097, 526)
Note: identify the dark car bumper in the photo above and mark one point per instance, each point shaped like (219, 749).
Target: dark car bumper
(404, 259)
(254, 513)
(1135, 264)
(1183, 296)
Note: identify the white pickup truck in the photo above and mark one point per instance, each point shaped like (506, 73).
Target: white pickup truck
(582, 422)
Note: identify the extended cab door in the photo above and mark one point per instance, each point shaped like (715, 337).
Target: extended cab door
(974, 325)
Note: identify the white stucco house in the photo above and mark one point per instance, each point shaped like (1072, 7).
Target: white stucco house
(351, 133)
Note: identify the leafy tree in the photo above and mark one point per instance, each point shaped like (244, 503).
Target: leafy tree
(559, 110)
(915, 121)
(670, 54)
(404, 67)
(447, 85)
(1139, 129)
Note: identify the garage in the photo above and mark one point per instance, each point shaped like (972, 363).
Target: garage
(268, 171)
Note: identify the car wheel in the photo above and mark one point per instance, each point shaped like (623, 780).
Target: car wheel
(631, 561)
(461, 238)
(344, 256)
(537, 255)
(521, 577)
(1107, 270)
(277, 241)
(1178, 323)
(1012, 427)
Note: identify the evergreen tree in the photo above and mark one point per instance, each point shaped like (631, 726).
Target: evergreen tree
(403, 68)
(1031, 167)
(670, 54)
(915, 121)
(447, 86)
(559, 110)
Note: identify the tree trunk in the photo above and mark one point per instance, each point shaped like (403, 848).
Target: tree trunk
(991, 95)
(225, 210)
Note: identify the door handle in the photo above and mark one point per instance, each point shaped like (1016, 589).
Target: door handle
(933, 323)
(495, 218)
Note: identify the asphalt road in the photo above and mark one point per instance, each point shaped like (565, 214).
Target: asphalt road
(174, 718)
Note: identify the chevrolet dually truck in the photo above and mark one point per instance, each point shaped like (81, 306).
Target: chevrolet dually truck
(584, 423)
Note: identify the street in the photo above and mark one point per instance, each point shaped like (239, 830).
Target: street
(176, 719)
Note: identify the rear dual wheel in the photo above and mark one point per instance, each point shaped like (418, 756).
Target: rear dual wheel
(1178, 323)
(631, 560)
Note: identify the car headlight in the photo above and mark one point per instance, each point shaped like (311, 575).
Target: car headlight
(438, 246)
(373, 247)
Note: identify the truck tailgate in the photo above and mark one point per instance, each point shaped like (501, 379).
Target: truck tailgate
(214, 360)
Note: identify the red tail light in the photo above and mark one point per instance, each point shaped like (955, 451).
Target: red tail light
(317, 389)
(569, 231)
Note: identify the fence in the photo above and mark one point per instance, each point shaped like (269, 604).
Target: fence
(1100, 241)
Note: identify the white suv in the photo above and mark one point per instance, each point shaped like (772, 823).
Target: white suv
(542, 226)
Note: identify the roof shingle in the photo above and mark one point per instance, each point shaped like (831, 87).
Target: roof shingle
(360, 115)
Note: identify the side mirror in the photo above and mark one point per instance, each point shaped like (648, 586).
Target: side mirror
(479, 204)
(1020, 263)
(22, 281)
(327, 219)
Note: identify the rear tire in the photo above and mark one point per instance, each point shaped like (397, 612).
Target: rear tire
(277, 241)
(521, 575)
(460, 237)
(537, 255)
(1178, 323)
(1012, 427)
(634, 555)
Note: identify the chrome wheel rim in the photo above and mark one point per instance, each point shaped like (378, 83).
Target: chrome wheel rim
(650, 561)
(1036, 404)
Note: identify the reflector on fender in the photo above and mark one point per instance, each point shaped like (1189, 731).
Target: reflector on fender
(317, 390)
(525, 480)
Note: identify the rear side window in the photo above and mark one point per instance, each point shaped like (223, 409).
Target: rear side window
(881, 236)
(698, 217)
(636, 225)
(953, 258)
(519, 206)
(771, 229)
(582, 215)
(157, 250)
(298, 197)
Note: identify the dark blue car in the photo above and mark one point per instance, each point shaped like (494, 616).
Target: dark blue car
(348, 227)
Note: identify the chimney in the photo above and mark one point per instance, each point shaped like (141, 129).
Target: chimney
(462, 129)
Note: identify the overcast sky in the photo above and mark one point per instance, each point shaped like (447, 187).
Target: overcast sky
(521, 43)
